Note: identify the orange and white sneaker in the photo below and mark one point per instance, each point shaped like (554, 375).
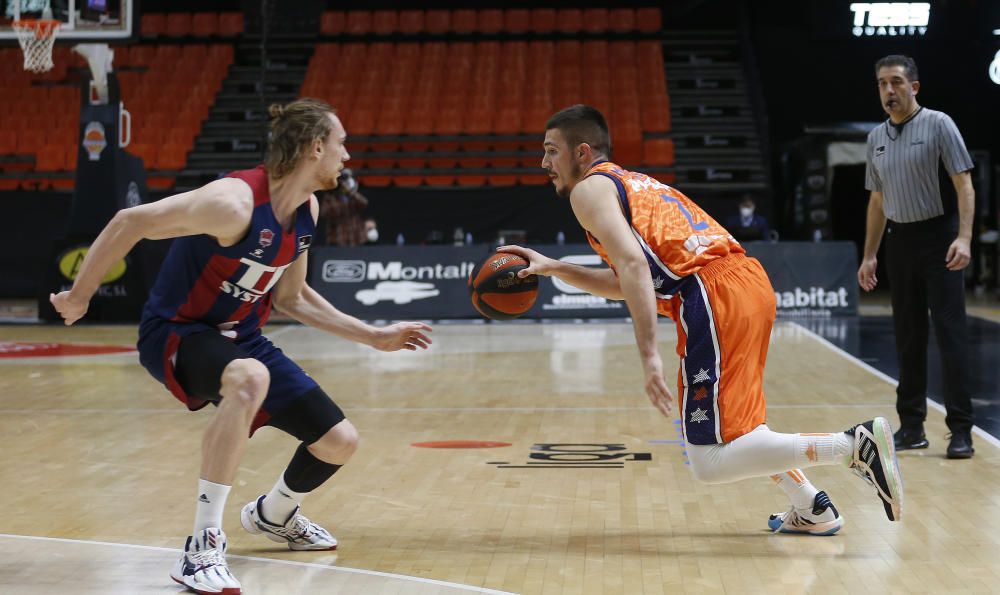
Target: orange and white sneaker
(821, 519)
(202, 567)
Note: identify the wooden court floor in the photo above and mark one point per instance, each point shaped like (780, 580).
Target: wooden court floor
(593, 496)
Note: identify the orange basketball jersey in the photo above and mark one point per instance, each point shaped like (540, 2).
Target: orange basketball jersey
(677, 236)
(722, 302)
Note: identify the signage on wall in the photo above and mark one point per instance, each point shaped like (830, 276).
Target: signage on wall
(895, 19)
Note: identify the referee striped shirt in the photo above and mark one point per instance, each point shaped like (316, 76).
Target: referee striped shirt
(903, 165)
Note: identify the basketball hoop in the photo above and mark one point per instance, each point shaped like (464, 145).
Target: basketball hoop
(36, 37)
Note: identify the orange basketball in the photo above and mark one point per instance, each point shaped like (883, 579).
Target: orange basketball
(496, 290)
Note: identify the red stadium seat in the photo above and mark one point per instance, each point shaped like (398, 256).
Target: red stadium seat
(649, 20)
(205, 24)
(621, 20)
(230, 24)
(359, 22)
(658, 151)
(411, 21)
(178, 24)
(153, 24)
(385, 22)
(569, 20)
(517, 20)
(595, 20)
(463, 21)
(543, 20)
(333, 22)
(438, 21)
(490, 20)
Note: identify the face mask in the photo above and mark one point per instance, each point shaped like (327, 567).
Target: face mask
(372, 235)
(746, 212)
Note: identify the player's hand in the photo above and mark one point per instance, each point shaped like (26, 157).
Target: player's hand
(656, 386)
(402, 335)
(866, 273)
(959, 255)
(68, 306)
(538, 264)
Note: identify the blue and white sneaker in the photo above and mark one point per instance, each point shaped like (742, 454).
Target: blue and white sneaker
(875, 461)
(202, 567)
(821, 519)
(298, 532)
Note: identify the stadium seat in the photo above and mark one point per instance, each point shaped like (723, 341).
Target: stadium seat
(569, 20)
(385, 22)
(517, 20)
(648, 20)
(153, 24)
(543, 20)
(359, 22)
(205, 24)
(438, 21)
(411, 21)
(595, 20)
(463, 21)
(178, 24)
(490, 20)
(658, 151)
(333, 22)
(230, 24)
(621, 20)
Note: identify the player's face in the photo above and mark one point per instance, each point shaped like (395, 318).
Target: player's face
(559, 163)
(897, 93)
(334, 154)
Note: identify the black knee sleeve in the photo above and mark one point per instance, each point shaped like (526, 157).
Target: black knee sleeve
(305, 472)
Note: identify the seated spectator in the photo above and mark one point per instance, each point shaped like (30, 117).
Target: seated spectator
(747, 225)
(371, 232)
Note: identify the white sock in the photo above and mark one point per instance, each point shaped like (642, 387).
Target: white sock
(797, 487)
(280, 502)
(823, 449)
(211, 503)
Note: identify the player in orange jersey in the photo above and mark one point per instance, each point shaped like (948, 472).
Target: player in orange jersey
(667, 256)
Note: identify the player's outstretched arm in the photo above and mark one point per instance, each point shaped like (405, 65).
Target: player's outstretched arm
(222, 209)
(595, 203)
(303, 303)
(602, 282)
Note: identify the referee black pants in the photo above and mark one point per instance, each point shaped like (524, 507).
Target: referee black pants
(919, 281)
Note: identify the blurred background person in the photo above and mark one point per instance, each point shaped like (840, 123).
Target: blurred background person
(342, 213)
(747, 224)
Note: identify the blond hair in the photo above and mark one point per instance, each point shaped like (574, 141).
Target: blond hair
(294, 127)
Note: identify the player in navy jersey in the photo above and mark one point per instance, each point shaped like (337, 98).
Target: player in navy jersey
(241, 248)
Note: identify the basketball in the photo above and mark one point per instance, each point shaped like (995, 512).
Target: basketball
(496, 290)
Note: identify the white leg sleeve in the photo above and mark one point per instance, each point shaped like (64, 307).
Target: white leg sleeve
(763, 453)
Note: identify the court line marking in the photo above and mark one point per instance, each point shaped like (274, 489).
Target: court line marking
(345, 569)
(890, 380)
(182, 411)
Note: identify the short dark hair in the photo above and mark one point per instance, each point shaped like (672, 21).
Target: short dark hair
(582, 124)
(909, 66)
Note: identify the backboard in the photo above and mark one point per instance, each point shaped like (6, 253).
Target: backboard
(102, 21)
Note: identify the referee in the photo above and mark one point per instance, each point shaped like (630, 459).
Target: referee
(927, 246)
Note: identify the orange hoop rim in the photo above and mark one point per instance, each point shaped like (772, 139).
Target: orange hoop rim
(43, 27)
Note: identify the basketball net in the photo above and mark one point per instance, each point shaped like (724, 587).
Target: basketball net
(36, 37)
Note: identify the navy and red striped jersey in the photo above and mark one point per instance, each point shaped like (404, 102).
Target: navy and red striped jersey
(229, 288)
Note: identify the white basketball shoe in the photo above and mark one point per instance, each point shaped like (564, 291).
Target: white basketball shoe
(298, 532)
(202, 567)
(821, 519)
